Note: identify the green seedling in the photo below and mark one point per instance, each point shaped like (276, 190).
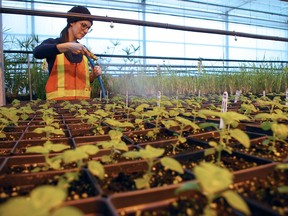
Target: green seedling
(194, 114)
(8, 116)
(229, 131)
(115, 145)
(152, 157)
(193, 104)
(80, 155)
(279, 130)
(45, 150)
(82, 114)
(23, 111)
(46, 110)
(52, 127)
(248, 109)
(182, 123)
(112, 109)
(139, 114)
(42, 201)
(270, 104)
(117, 125)
(213, 182)
(159, 113)
(95, 120)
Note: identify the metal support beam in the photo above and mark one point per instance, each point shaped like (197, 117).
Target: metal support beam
(141, 23)
(2, 83)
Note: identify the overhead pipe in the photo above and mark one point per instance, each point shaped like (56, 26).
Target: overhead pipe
(140, 23)
(165, 57)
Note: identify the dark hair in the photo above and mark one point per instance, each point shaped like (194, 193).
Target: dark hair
(64, 37)
(80, 10)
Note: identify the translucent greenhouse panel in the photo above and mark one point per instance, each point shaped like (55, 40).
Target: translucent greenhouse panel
(16, 24)
(204, 39)
(49, 27)
(164, 35)
(203, 51)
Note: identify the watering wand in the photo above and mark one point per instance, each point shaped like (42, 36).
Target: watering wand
(91, 56)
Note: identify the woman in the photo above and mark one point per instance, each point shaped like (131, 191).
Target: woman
(69, 76)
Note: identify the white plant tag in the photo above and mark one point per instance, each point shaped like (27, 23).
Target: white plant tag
(199, 94)
(100, 95)
(238, 93)
(223, 107)
(264, 93)
(158, 98)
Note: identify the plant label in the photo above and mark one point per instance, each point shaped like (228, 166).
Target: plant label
(223, 107)
(238, 93)
(158, 98)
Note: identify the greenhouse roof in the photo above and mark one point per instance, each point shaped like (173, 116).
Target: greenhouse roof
(250, 12)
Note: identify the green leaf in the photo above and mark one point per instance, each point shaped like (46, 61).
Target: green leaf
(283, 189)
(172, 164)
(55, 163)
(131, 154)
(73, 155)
(182, 139)
(151, 152)
(58, 147)
(96, 168)
(209, 113)
(2, 135)
(208, 124)
(283, 166)
(106, 159)
(58, 132)
(209, 151)
(280, 130)
(170, 123)
(115, 135)
(121, 146)
(236, 201)
(193, 185)
(89, 149)
(212, 178)
(266, 142)
(37, 149)
(266, 125)
(39, 130)
(241, 136)
(231, 117)
(141, 183)
(105, 144)
(213, 144)
(47, 197)
(262, 116)
(19, 206)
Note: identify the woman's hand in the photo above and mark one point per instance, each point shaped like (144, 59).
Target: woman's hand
(97, 71)
(75, 48)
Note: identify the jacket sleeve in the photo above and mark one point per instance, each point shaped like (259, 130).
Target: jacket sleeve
(47, 49)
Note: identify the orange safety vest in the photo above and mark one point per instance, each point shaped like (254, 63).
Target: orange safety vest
(68, 81)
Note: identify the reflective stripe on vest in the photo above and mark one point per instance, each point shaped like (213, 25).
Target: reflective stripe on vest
(68, 81)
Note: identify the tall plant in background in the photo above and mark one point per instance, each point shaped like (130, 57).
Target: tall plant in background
(17, 66)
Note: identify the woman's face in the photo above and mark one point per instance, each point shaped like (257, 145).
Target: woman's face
(79, 29)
